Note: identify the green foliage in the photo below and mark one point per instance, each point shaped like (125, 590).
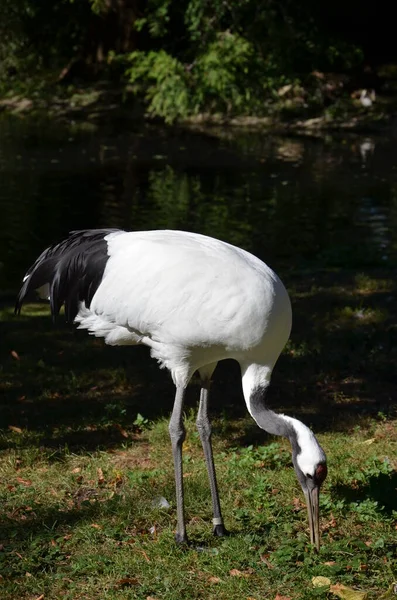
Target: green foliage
(227, 57)
(184, 57)
(165, 83)
(222, 75)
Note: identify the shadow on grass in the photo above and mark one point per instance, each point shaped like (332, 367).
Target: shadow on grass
(379, 488)
(338, 370)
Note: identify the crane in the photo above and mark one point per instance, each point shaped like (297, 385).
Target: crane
(193, 300)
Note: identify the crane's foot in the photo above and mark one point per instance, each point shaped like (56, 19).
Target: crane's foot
(181, 538)
(220, 531)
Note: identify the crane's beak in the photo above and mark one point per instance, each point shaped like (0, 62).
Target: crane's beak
(312, 502)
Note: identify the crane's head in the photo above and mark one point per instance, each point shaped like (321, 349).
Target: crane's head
(310, 464)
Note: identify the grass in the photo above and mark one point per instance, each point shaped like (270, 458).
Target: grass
(85, 461)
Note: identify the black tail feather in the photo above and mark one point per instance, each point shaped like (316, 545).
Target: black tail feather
(73, 269)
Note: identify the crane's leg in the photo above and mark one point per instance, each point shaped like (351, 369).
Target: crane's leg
(177, 434)
(204, 428)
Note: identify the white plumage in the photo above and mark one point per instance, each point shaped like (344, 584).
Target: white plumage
(193, 300)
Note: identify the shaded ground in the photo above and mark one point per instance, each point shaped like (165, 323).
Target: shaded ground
(339, 367)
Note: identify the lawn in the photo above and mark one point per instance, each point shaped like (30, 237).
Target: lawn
(87, 506)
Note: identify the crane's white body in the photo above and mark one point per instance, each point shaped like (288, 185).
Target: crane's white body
(192, 299)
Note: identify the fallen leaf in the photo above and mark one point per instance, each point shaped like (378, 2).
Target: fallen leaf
(368, 442)
(118, 480)
(15, 429)
(330, 563)
(278, 597)
(151, 598)
(214, 580)
(347, 593)
(126, 581)
(145, 555)
(40, 597)
(101, 479)
(96, 526)
(76, 470)
(265, 559)
(25, 482)
(15, 355)
(320, 581)
(297, 504)
(237, 573)
(121, 430)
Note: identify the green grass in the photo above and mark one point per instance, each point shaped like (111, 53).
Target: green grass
(85, 456)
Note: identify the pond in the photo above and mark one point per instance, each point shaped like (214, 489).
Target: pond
(296, 202)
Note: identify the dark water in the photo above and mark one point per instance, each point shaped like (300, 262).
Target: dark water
(295, 202)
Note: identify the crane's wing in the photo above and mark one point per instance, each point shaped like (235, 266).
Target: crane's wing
(72, 269)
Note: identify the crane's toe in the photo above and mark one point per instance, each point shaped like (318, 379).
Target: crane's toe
(181, 538)
(220, 531)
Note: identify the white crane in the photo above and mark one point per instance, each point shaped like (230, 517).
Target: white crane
(193, 300)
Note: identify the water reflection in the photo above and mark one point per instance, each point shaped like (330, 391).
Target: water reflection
(292, 201)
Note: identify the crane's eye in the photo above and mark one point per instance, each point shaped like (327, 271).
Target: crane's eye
(309, 476)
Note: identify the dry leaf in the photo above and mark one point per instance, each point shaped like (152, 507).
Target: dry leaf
(76, 470)
(297, 504)
(25, 482)
(265, 559)
(16, 356)
(101, 479)
(368, 442)
(15, 429)
(126, 581)
(151, 598)
(320, 581)
(278, 597)
(145, 555)
(330, 563)
(40, 597)
(347, 593)
(96, 526)
(237, 573)
(214, 580)
(121, 430)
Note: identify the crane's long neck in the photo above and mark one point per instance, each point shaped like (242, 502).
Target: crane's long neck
(305, 447)
(256, 379)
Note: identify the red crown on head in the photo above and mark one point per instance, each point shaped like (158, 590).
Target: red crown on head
(321, 473)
